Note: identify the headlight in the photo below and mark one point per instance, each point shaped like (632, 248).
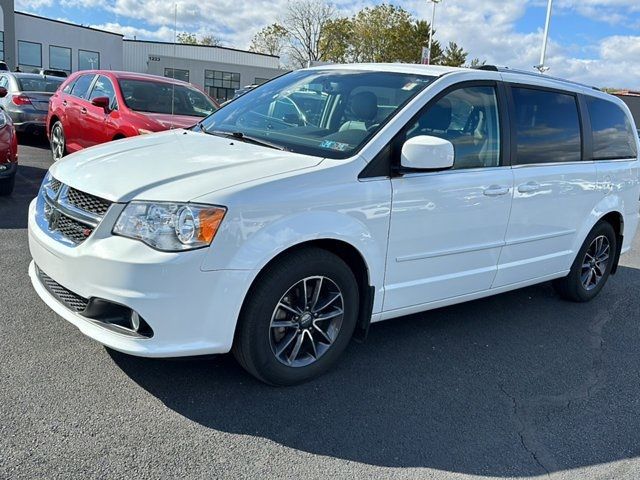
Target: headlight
(170, 227)
(3, 119)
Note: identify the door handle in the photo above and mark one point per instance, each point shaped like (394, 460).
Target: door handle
(496, 191)
(64, 103)
(83, 111)
(529, 187)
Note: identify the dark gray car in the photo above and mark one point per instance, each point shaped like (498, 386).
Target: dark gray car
(27, 99)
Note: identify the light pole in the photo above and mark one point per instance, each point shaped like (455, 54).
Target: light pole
(542, 67)
(433, 19)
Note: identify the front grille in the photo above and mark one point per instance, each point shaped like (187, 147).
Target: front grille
(72, 229)
(55, 185)
(87, 202)
(71, 300)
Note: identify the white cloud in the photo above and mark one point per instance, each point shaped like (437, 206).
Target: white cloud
(486, 28)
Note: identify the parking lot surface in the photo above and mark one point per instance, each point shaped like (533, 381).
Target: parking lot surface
(518, 385)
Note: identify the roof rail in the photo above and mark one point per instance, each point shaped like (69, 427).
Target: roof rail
(495, 68)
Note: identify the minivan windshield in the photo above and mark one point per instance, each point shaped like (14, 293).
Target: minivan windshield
(328, 113)
(39, 84)
(155, 97)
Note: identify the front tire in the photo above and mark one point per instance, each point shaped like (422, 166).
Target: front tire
(298, 317)
(7, 185)
(592, 266)
(58, 142)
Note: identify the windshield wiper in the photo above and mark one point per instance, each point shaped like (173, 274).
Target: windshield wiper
(244, 138)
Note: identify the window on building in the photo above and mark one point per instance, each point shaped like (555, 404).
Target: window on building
(88, 60)
(2, 46)
(547, 127)
(29, 56)
(260, 81)
(613, 134)
(468, 118)
(60, 58)
(221, 85)
(177, 74)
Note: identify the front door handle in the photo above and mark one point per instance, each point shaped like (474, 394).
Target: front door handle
(83, 111)
(496, 191)
(529, 187)
(64, 103)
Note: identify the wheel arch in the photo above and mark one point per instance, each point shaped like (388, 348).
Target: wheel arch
(354, 259)
(616, 220)
(54, 118)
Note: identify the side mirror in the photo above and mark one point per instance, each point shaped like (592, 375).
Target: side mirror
(102, 102)
(3, 92)
(425, 152)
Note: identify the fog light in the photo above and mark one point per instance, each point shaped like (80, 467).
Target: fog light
(135, 321)
(4, 167)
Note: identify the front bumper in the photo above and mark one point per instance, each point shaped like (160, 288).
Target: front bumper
(191, 311)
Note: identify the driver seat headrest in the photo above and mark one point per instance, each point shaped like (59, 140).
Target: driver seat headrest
(364, 106)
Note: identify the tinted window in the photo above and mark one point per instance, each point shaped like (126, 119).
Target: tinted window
(29, 54)
(613, 134)
(39, 84)
(103, 88)
(468, 118)
(155, 97)
(60, 58)
(547, 127)
(81, 87)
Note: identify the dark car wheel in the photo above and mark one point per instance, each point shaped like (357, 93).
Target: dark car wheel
(58, 142)
(298, 318)
(7, 185)
(592, 266)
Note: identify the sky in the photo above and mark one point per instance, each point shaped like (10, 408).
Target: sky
(591, 41)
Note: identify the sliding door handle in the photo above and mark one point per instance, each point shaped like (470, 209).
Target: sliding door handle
(529, 187)
(496, 190)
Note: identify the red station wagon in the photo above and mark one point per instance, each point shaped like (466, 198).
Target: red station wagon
(97, 106)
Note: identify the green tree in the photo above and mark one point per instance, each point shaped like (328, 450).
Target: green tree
(192, 39)
(476, 63)
(421, 31)
(337, 40)
(454, 56)
(270, 40)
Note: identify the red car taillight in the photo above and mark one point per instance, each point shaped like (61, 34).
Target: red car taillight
(21, 99)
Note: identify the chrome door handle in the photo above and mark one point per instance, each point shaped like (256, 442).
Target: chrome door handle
(529, 187)
(496, 191)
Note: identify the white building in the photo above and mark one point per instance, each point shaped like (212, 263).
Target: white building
(31, 42)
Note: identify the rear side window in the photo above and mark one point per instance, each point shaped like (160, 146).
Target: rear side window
(547, 127)
(613, 134)
(68, 87)
(81, 87)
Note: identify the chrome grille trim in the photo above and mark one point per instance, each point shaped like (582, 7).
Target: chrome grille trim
(60, 212)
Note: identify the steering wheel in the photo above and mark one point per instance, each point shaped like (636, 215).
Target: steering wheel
(299, 111)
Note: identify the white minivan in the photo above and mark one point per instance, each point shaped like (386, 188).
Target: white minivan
(329, 198)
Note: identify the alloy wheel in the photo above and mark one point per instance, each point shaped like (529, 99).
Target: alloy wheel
(594, 265)
(306, 321)
(57, 142)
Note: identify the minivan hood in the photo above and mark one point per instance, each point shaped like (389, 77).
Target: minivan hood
(177, 165)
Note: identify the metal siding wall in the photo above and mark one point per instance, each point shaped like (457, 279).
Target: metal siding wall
(47, 32)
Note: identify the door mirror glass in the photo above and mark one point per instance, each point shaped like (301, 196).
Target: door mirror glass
(425, 152)
(102, 102)
(3, 92)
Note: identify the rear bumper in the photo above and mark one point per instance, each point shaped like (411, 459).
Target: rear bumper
(23, 121)
(190, 311)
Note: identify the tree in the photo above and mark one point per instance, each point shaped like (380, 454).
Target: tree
(454, 56)
(192, 39)
(271, 40)
(477, 63)
(305, 22)
(337, 40)
(421, 32)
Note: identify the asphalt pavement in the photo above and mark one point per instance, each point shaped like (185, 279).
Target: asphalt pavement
(518, 385)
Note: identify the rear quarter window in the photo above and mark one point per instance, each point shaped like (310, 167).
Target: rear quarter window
(613, 133)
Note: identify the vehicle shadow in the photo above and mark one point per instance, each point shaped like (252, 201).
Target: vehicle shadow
(14, 208)
(515, 385)
(34, 140)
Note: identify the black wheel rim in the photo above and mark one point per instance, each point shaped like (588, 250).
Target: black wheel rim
(596, 260)
(306, 321)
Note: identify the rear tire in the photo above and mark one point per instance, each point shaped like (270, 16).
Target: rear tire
(7, 185)
(58, 142)
(592, 266)
(298, 318)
